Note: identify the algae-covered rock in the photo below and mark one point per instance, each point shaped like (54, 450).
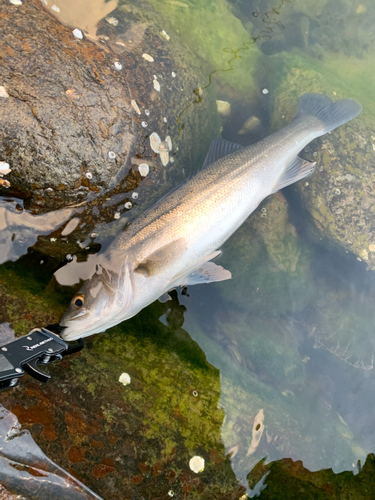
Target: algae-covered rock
(269, 264)
(340, 194)
(285, 477)
(122, 441)
(76, 116)
(222, 47)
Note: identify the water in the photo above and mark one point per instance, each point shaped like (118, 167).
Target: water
(268, 377)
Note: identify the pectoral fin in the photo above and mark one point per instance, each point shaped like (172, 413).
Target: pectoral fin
(295, 171)
(160, 259)
(208, 272)
(202, 271)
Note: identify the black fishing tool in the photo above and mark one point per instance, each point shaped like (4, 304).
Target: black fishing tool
(38, 348)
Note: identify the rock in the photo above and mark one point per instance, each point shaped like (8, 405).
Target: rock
(68, 129)
(140, 437)
(269, 264)
(266, 376)
(340, 194)
(218, 44)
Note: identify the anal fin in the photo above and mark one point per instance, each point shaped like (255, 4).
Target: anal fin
(295, 171)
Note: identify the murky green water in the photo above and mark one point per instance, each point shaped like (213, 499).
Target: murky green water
(269, 376)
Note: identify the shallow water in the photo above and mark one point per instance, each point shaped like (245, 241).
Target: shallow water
(276, 364)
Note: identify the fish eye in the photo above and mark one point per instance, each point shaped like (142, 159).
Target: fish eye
(79, 300)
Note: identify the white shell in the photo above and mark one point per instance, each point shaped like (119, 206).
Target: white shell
(112, 20)
(148, 57)
(118, 66)
(135, 196)
(165, 119)
(111, 155)
(117, 215)
(94, 235)
(164, 157)
(156, 85)
(55, 8)
(4, 168)
(155, 142)
(16, 2)
(3, 92)
(128, 205)
(265, 91)
(89, 175)
(78, 34)
(135, 106)
(173, 74)
(143, 169)
(147, 112)
(144, 124)
(165, 35)
(196, 464)
(125, 378)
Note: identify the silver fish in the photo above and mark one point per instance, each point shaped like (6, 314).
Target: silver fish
(172, 243)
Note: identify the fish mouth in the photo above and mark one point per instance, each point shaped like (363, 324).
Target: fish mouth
(79, 315)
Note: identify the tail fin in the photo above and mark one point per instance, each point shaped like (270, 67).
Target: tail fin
(330, 114)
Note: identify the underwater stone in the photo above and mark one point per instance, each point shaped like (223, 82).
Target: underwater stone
(340, 195)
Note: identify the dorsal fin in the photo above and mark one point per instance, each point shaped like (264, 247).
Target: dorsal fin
(219, 148)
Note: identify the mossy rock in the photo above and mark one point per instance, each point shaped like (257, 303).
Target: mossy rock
(339, 196)
(140, 437)
(225, 48)
(289, 480)
(270, 266)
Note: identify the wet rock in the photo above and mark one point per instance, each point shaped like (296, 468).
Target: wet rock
(286, 475)
(269, 264)
(122, 441)
(340, 194)
(68, 129)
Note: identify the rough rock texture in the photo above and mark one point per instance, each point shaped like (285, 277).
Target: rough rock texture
(68, 107)
(340, 194)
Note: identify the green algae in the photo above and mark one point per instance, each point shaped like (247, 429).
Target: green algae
(225, 48)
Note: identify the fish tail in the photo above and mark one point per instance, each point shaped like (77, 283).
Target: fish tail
(330, 114)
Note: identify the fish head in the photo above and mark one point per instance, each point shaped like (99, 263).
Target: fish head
(103, 301)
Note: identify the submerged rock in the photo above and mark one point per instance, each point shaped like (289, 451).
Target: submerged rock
(269, 264)
(218, 44)
(71, 121)
(340, 194)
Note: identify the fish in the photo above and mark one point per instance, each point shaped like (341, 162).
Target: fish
(173, 243)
